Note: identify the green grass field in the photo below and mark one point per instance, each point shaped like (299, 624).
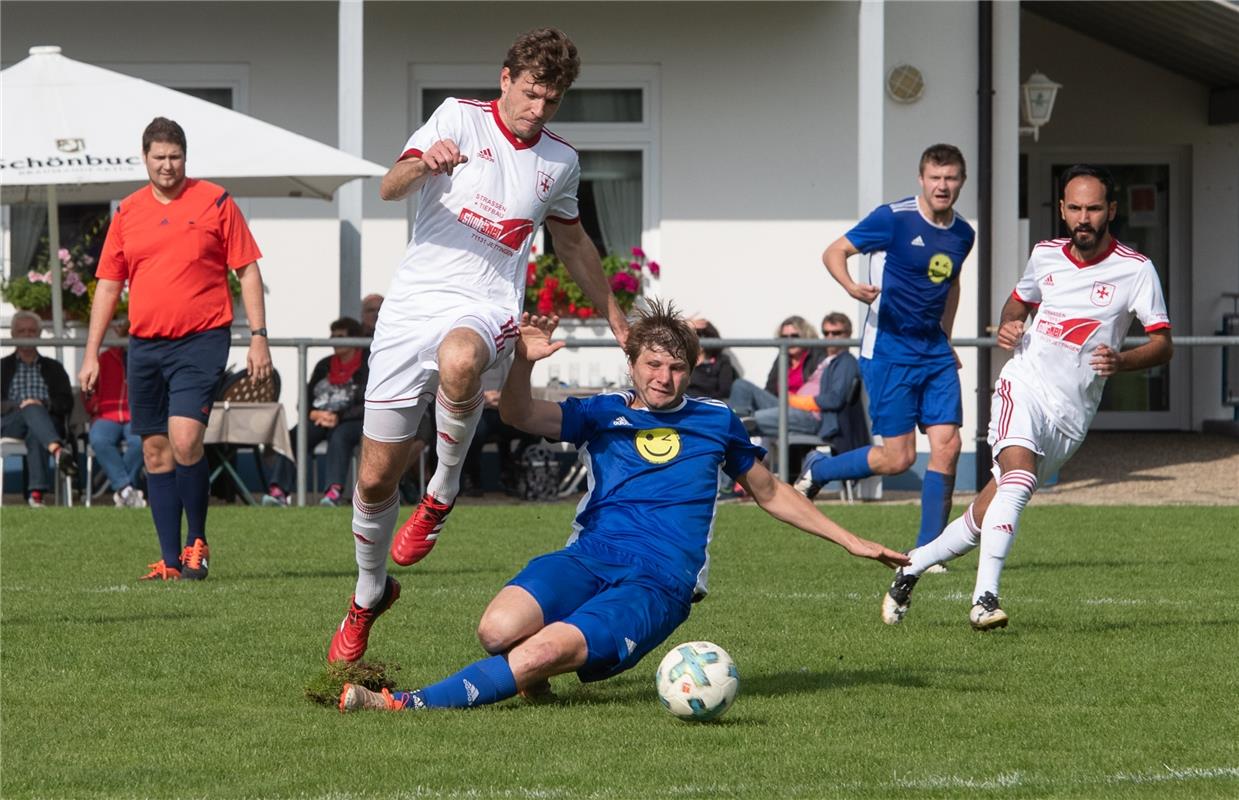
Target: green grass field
(1117, 677)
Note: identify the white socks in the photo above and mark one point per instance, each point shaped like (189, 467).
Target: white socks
(1002, 520)
(956, 539)
(456, 423)
(372, 530)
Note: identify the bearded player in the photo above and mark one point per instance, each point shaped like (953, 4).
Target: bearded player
(488, 175)
(1084, 293)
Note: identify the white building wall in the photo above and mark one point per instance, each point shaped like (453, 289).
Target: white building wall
(757, 146)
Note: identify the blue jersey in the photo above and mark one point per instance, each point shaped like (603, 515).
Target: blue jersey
(914, 262)
(653, 478)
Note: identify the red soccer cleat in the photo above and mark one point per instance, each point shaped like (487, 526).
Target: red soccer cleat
(350, 640)
(417, 536)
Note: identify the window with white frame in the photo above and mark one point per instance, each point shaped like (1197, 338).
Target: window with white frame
(610, 116)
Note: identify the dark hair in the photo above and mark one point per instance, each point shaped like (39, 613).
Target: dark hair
(548, 54)
(708, 331)
(1086, 171)
(163, 130)
(838, 318)
(350, 326)
(943, 155)
(662, 327)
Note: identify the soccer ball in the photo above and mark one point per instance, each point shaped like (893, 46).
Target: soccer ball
(697, 681)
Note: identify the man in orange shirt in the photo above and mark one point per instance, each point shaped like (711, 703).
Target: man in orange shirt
(174, 241)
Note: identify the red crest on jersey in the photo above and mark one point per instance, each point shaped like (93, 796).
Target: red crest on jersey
(1103, 293)
(543, 184)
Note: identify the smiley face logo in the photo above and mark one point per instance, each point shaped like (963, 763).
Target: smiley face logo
(658, 445)
(940, 267)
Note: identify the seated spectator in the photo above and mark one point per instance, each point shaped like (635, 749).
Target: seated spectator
(838, 402)
(827, 404)
(110, 426)
(336, 389)
(747, 398)
(492, 429)
(714, 374)
(35, 403)
(838, 392)
(370, 305)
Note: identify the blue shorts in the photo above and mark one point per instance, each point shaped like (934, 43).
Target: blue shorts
(902, 396)
(175, 378)
(623, 610)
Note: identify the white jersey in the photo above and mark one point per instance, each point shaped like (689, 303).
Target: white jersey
(474, 228)
(1081, 305)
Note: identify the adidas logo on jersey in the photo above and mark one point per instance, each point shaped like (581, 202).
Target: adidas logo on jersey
(486, 155)
(918, 242)
(1049, 280)
(620, 422)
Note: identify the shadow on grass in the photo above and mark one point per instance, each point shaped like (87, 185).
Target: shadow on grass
(401, 575)
(778, 684)
(99, 619)
(1049, 565)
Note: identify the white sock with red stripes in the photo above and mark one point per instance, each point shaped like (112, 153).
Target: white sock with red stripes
(958, 538)
(1002, 521)
(456, 423)
(372, 530)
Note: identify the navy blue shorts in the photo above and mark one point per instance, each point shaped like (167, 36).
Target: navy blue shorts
(623, 610)
(175, 378)
(902, 396)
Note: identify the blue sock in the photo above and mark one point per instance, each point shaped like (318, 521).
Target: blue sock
(165, 505)
(850, 466)
(193, 484)
(487, 681)
(936, 494)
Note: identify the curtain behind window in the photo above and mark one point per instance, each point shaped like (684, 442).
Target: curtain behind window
(615, 179)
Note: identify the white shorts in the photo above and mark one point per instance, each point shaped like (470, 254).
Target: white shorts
(404, 368)
(1017, 418)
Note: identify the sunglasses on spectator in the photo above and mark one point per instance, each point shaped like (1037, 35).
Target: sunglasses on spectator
(837, 332)
(789, 336)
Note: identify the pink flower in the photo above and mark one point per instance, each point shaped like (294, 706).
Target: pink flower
(654, 268)
(78, 289)
(63, 255)
(637, 252)
(619, 282)
(39, 277)
(634, 266)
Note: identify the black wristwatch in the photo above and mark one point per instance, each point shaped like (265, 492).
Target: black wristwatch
(259, 332)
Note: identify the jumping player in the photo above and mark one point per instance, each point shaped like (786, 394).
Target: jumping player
(488, 175)
(916, 247)
(1084, 292)
(636, 559)
(175, 241)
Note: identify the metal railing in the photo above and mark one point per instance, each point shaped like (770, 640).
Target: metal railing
(303, 345)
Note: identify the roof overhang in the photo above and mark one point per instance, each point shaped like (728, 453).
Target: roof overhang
(1198, 39)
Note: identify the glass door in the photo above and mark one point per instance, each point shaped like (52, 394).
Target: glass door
(1152, 219)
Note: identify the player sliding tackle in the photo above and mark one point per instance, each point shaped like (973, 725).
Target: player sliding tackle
(1084, 292)
(637, 557)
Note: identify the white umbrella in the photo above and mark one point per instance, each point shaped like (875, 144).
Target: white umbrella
(73, 129)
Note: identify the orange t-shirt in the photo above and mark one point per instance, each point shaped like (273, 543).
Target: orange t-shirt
(176, 258)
